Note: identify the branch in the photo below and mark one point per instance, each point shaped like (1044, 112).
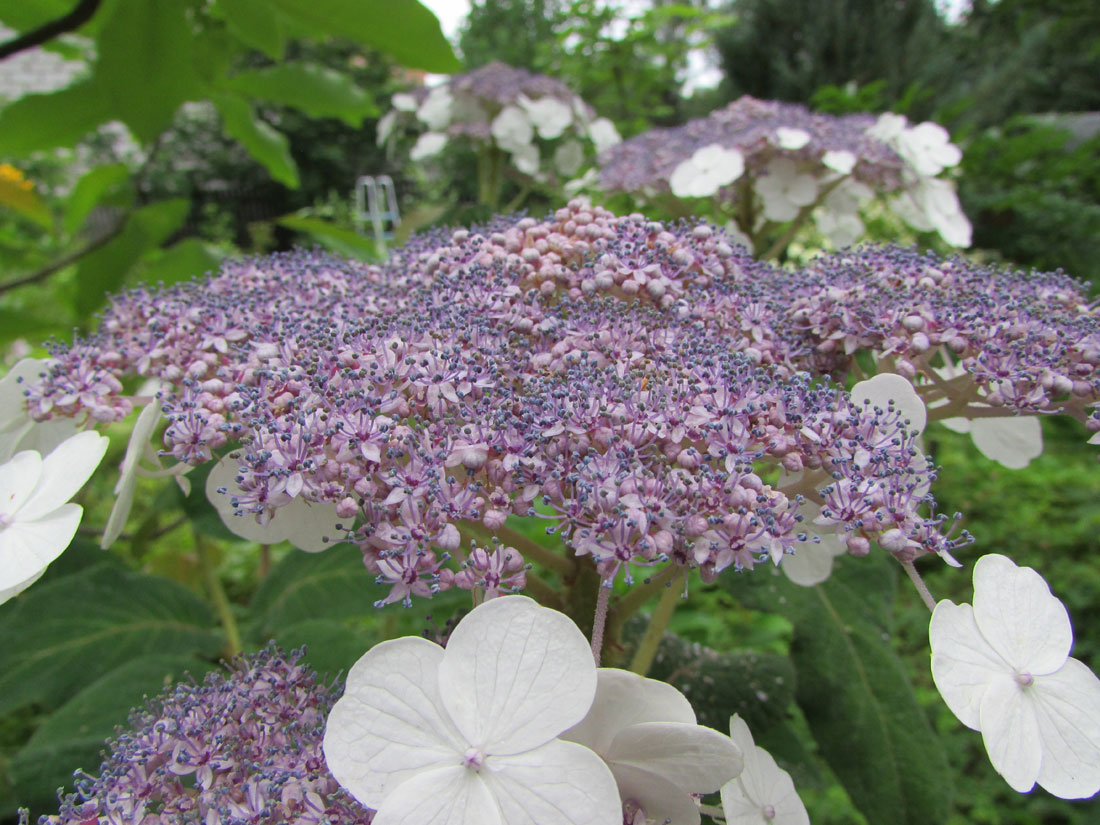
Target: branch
(47, 32)
(64, 261)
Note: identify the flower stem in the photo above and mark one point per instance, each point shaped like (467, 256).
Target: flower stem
(647, 648)
(599, 622)
(218, 596)
(918, 582)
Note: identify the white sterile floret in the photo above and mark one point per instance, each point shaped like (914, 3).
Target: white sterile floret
(931, 204)
(928, 149)
(791, 139)
(309, 526)
(526, 159)
(18, 431)
(785, 191)
(428, 145)
(37, 522)
(889, 388)
(549, 115)
(706, 171)
(839, 161)
(764, 793)
(467, 735)
(568, 157)
(646, 732)
(888, 127)
(404, 102)
(1003, 667)
(812, 562)
(435, 111)
(137, 448)
(603, 134)
(512, 129)
(841, 228)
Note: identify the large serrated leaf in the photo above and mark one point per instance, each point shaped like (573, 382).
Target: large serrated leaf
(146, 67)
(403, 28)
(38, 122)
(73, 737)
(256, 24)
(315, 90)
(331, 585)
(331, 647)
(61, 636)
(854, 690)
(267, 145)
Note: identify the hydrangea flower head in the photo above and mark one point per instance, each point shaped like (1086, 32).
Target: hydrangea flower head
(1004, 669)
(468, 734)
(241, 747)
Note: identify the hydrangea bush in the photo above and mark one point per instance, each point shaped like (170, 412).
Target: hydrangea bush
(526, 126)
(765, 168)
(655, 400)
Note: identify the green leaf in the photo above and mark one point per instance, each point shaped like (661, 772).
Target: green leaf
(146, 67)
(265, 144)
(59, 637)
(30, 15)
(403, 28)
(91, 190)
(73, 737)
(333, 237)
(187, 260)
(332, 585)
(257, 24)
(315, 90)
(854, 690)
(104, 270)
(37, 122)
(331, 647)
(18, 324)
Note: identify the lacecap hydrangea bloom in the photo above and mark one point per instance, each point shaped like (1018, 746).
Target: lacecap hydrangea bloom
(241, 747)
(544, 130)
(768, 164)
(629, 383)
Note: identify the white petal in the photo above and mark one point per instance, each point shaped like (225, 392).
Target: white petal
(1011, 441)
(559, 783)
(696, 759)
(1010, 732)
(886, 387)
(792, 139)
(761, 783)
(517, 675)
(511, 128)
(802, 190)
(127, 479)
(64, 472)
(1067, 705)
(663, 801)
(245, 526)
(623, 699)
(687, 179)
(18, 478)
(1019, 616)
(568, 157)
(403, 102)
(428, 145)
(120, 511)
(957, 425)
(963, 663)
(390, 723)
(842, 162)
(309, 526)
(27, 547)
(444, 796)
(12, 401)
(550, 116)
(604, 134)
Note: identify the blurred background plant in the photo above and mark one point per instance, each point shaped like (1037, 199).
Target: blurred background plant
(184, 132)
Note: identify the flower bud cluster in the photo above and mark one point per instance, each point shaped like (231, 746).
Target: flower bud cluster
(1024, 343)
(242, 747)
(632, 384)
(545, 129)
(767, 161)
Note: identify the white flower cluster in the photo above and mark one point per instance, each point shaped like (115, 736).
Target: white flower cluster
(513, 723)
(545, 130)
